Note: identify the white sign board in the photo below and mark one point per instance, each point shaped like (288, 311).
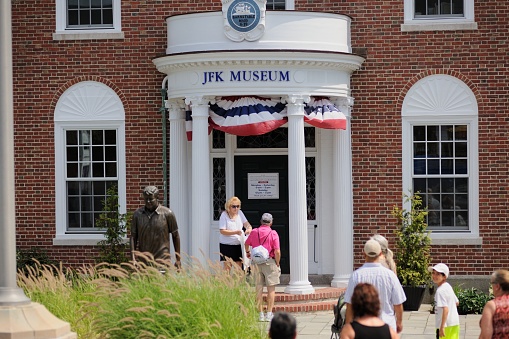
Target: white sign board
(263, 185)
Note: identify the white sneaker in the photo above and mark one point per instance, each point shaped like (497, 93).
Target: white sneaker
(269, 316)
(262, 317)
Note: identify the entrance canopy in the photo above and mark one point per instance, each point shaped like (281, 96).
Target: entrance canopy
(296, 69)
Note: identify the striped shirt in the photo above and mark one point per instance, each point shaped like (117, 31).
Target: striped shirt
(387, 284)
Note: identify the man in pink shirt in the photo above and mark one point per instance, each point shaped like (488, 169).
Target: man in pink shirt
(269, 272)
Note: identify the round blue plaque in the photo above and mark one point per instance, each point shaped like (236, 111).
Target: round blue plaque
(243, 15)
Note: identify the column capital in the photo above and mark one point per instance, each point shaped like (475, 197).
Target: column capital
(343, 101)
(345, 104)
(176, 109)
(295, 104)
(174, 104)
(296, 99)
(200, 100)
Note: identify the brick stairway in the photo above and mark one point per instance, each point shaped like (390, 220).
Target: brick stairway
(323, 299)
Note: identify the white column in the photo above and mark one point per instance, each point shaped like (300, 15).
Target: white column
(10, 293)
(343, 199)
(179, 196)
(19, 317)
(200, 180)
(299, 282)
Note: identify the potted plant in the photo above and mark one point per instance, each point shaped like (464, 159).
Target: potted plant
(413, 245)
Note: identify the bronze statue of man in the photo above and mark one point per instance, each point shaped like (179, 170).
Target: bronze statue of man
(151, 227)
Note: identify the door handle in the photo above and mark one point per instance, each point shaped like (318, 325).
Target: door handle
(314, 244)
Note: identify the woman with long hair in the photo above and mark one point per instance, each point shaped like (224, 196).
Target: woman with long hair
(387, 259)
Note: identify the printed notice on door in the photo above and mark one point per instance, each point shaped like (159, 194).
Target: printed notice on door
(263, 185)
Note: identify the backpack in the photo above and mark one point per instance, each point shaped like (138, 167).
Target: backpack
(339, 317)
(259, 254)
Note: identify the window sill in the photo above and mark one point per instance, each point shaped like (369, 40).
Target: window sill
(438, 26)
(455, 239)
(88, 35)
(79, 239)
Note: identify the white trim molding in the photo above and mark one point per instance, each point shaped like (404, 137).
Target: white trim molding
(444, 99)
(64, 33)
(85, 105)
(413, 24)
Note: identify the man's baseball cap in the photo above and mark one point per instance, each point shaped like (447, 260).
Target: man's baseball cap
(440, 268)
(372, 248)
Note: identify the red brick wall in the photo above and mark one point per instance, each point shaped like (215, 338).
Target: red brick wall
(395, 60)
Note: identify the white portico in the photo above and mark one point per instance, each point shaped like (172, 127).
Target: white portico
(291, 58)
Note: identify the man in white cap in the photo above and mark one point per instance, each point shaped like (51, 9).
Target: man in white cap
(386, 282)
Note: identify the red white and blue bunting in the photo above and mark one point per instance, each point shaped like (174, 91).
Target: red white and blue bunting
(253, 115)
(247, 115)
(322, 113)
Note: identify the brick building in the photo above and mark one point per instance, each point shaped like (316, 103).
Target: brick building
(417, 90)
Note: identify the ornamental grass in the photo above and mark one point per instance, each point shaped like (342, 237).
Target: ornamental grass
(149, 299)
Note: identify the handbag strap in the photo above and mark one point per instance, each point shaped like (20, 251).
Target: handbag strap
(265, 237)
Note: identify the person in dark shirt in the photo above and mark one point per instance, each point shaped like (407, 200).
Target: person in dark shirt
(151, 227)
(283, 326)
(366, 322)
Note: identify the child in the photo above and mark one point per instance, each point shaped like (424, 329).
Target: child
(447, 319)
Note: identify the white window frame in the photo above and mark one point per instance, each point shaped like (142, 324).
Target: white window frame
(74, 112)
(289, 5)
(64, 33)
(428, 102)
(434, 23)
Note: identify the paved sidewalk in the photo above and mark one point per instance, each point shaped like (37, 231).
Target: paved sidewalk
(416, 325)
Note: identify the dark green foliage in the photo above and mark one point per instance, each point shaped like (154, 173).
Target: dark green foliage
(413, 243)
(32, 257)
(472, 300)
(112, 249)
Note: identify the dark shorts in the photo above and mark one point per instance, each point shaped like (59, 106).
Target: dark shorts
(231, 251)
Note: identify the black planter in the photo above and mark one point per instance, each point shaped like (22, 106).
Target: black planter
(414, 296)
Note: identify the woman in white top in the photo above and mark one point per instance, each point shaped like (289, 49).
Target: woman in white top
(231, 222)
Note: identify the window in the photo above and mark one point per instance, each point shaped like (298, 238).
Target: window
(89, 14)
(440, 156)
(218, 186)
(438, 8)
(91, 169)
(89, 159)
(88, 19)
(425, 15)
(276, 5)
(277, 138)
(440, 174)
(280, 5)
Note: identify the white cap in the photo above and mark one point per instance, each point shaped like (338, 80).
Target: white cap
(440, 268)
(372, 248)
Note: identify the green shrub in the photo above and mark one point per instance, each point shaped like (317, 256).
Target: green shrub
(413, 243)
(112, 249)
(32, 257)
(471, 300)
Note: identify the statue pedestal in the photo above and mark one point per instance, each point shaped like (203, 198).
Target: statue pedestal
(32, 321)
